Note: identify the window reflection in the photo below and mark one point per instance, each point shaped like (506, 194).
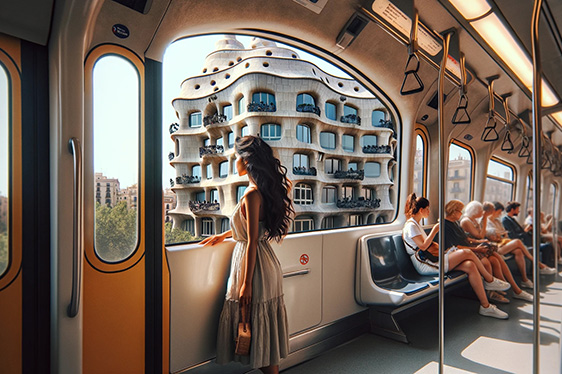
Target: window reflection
(4, 171)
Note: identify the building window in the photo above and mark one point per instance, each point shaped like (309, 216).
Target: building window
(214, 196)
(330, 110)
(460, 161)
(114, 239)
(348, 143)
(368, 140)
(328, 222)
(263, 97)
(305, 98)
(355, 220)
(189, 226)
(206, 142)
(377, 117)
(234, 170)
(500, 181)
(223, 169)
(352, 166)
(195, 119)
(207, 227)
(241, 105)
(329, 195)
(196, 171)
(420, 160)
(303, 194)
(220, 141)
(368, 193)
(348, 192)
(225, 225)
(331, 165)
(227, 111)
(303, 223)
(245, 130)
(300, 160)
(231, 140)
(303, 133)
(372, 169)
(240, 192)
(270, 131)
(347, 110)
(328, 140)
(200, 196)
(209, 171)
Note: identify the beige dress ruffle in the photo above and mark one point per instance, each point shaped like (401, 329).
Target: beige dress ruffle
(268, 317)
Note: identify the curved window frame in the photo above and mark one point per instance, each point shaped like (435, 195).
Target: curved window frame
(374, 163)
(305, 98)
(326, 140)
(471, 169)
(377, 123)
(345, 147)
(301, 220)
(423, 135)
(14, 184)
(267, 98)
(89, 250)
(223, 169)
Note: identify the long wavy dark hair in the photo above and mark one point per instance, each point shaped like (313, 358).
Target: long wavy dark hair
(271, 178)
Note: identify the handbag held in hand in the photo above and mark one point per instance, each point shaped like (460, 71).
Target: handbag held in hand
(244, 332)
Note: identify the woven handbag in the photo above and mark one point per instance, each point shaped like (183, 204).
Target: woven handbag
(244, 337)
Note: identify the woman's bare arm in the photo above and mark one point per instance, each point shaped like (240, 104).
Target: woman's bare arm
(251, 206)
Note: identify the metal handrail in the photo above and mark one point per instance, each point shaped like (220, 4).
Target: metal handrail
(537, 127)
(77, 248)
(442, 184)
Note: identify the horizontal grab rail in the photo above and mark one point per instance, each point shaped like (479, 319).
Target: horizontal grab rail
(295, 273)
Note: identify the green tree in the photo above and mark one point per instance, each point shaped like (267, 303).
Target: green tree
(116, 231)
(177, 235)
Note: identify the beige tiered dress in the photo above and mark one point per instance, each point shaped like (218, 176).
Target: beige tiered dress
(270, 337)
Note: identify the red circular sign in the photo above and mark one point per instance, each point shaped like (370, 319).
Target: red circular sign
(304, 259)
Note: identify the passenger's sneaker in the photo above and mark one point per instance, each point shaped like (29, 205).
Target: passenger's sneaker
(524, 295)
(493, 311)
(497, 285)
(547, 270)
(527, 284)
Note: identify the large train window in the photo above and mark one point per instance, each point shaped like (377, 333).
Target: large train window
(4, 170)
(420, 163)
(329, 137)
(459, 173)
(500, 181)
(116, 157)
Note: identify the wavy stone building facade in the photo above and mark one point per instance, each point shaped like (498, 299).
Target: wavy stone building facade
(334, 137)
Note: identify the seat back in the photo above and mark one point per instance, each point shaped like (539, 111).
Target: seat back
(403, 259)
(382, 259)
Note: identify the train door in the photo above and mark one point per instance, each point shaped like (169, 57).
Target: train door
(24, 207)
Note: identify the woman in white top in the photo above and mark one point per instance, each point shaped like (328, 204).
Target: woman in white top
(465, 260)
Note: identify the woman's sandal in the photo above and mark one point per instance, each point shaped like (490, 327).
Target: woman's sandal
(498, 298)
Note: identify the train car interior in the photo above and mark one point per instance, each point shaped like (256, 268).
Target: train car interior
(101, 270)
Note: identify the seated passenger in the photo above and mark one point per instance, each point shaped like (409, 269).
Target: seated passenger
(495, 232)
(515, 231)
(455, 236)
(417, 243)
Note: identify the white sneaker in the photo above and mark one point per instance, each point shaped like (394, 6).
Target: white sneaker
(527, 284)
(493, 311)
(547, 270)
(524, 295)
(496, 285)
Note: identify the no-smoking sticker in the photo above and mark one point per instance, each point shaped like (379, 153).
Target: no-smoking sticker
(304, 259)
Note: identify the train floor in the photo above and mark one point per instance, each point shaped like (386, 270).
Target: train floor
(473, 343)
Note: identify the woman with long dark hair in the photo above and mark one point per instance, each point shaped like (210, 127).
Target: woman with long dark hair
(263, 214)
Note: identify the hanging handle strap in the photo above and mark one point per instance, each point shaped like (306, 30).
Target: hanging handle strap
(461, 116)
(411, 77)
(490, 134)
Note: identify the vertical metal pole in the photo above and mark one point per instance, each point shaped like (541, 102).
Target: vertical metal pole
(537, 153)
(442, 183)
